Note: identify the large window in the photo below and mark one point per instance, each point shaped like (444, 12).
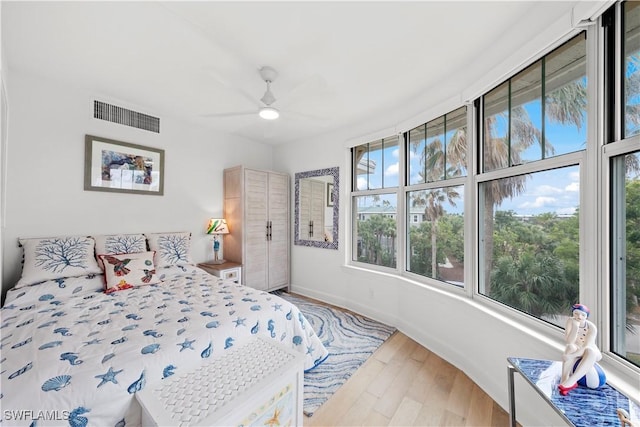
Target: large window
(437, 166)
(623, 155)
(375, 168)
(529, 223)
(530, 242)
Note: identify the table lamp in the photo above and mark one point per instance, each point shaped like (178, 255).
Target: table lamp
(217, 226)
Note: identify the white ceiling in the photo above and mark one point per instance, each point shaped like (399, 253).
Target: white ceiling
(340, 64)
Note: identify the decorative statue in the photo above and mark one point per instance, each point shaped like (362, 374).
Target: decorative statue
(216, 248)
(581, 353)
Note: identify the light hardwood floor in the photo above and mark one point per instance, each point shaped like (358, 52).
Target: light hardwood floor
(404, 384)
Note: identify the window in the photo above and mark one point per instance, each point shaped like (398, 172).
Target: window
(520, 128)
(530, 242)
(375, 230)
(626, 255)
(437, 167)
(623, 156)
(437, 150)
(436, 245)
(529, 223)
(375, 170)
(376, 164)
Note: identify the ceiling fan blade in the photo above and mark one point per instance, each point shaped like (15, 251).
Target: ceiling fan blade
(226, 83)
(233, 114)
(303, 116)
(308, 88)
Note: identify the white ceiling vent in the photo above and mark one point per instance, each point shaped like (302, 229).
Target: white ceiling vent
(115, 114)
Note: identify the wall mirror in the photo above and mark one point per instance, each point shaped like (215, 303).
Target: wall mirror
(317, 208)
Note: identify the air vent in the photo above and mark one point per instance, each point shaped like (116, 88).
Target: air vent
(115, 114)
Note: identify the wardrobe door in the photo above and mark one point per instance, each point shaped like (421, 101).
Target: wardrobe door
(317, 208)
(255, 260)
(278, 244)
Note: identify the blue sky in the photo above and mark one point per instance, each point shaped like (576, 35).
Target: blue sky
(555, 191)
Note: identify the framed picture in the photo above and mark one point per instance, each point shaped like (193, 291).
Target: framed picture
(329, 194)
(122, 167)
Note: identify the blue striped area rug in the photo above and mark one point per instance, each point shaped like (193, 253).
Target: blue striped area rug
(350, 339)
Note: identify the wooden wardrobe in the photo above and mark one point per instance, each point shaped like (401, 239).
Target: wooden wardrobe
(256, 207)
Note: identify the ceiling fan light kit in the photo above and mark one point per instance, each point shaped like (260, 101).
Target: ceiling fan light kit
(269, 113)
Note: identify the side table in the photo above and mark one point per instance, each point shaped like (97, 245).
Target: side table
(228, 270)
(582, 407)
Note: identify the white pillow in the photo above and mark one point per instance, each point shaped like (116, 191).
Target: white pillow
(170, 248)
(57, 257)
(126, 271)
(119, 244)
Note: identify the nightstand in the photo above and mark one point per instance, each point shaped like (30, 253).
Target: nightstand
(228, 270)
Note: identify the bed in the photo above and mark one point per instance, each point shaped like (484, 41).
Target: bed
(72, 354)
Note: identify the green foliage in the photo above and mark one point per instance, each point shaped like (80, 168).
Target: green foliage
(536, 267)
(376, 240)
(633, 243)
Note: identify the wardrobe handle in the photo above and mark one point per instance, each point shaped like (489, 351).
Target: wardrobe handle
(310, 228)
(267, 235)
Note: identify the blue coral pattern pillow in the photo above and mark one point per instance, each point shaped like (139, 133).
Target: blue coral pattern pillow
(171, 248)
(124, 271)
(119, 244)
(56, 258)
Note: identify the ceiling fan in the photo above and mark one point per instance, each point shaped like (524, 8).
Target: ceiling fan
(266, 110)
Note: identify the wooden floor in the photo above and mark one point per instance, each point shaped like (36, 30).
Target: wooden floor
(404, 384)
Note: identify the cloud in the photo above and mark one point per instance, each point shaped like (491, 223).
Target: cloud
(547, 189)
(573, 187)
(392, 170)
(539, 202)
(362, 182)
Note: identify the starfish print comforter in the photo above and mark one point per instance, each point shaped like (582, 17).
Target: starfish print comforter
(73, 355)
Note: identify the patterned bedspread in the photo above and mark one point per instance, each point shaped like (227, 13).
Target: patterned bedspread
(73, 355)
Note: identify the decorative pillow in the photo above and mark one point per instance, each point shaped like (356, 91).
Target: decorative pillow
(57, 257)
(171, 248)
(119, 244)
(124, 271)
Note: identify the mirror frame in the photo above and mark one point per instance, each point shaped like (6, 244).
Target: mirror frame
(335, 173)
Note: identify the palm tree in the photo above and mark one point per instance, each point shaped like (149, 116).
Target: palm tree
(534, 283)
(433, 199)
(565, 105)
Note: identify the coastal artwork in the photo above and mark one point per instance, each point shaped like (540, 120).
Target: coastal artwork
(124, 170)
(122, 167)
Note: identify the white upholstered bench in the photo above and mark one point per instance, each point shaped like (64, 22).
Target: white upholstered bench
(256, 383)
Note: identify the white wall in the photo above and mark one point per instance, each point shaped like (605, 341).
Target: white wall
(45, 174)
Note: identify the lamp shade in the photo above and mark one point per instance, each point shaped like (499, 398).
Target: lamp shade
(217, 226)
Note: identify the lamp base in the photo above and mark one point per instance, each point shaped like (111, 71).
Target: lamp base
(218, 261)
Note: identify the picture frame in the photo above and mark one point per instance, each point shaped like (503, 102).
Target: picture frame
(329, 194)
(122, 167)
